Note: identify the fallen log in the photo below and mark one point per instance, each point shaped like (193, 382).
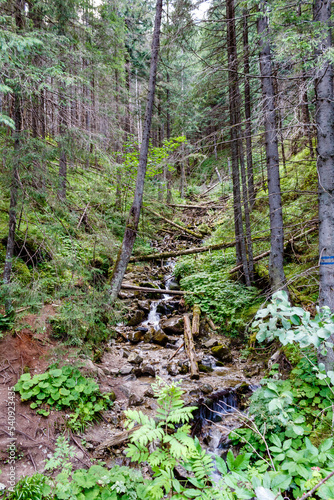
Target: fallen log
(195, 323)
(153, 290)
(210, 188)
(190, 348)
(265, 254)
(184, 229)
(188, 251)
(214, 207)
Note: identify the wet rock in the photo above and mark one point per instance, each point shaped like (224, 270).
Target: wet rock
(173, 369)
(184, 367)
(173, 325)
(274, 359)
(149, 393)
(126, 295)
(142, 329)
(252, 371)
(110, 371)
(135, 358)
(222, 353)
(173, 285)
(208, 361)
(164, 308)
(147, 369)
(135, 400)
(126, 370)
(136, 317)
(149, 335)
(211, 343)
(148, 284)
(135, 337)
(204, 369)
(130, 378)
(206, 388)
(160, 338)
(144, 305)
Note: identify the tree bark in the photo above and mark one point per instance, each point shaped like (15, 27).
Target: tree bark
(234, 124)
(133, 218)
(325, 163)
(276, 271)
(196, 320)
(248, 126)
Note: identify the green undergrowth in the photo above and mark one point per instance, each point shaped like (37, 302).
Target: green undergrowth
(64, 389)
(230, 304)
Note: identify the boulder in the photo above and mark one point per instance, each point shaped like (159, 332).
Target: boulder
(145, 369)
(149, 335)
(204, 328)
(173, 285)
(173, 325)
(135, 337)
(136, 317)
(160, 338)
(206, 388)
(222, 353)
(211, 343)
(126, 370)
(149, 393)
(135, 400)
(135, 358)
(144, 305)
(173, 369)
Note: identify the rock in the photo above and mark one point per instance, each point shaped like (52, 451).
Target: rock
(252, 371)
(164, 308)
(211, 343)
(208, 361)
(173, 325)
(223, 353)
(135, 400)
(135, 337)
(149, 393)
(136, 317)
(148, 284)
(173, 285)
(126, 370)
(184, 367)
(142, 329)
(203, 368)
(149, 335)
(160, 338)
(206, 388)
(135, 358)
(144, 305)
(147, 369)
(173, 369)
(126, 295)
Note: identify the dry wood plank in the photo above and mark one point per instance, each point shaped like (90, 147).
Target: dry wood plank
(190, 347)
(153, 290)
(196, 318)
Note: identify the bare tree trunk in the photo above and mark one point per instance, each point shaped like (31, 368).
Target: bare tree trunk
(276, 271)
(62, 172)
(248, 127)
(233, 97)
(133, 219)
(325, 164)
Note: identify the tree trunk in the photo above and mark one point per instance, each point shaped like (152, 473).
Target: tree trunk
(276, 271)
(248, 127)
(233, 96)
(325, 164)
(133, 218)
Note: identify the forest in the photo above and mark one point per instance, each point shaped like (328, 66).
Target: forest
(166, 231)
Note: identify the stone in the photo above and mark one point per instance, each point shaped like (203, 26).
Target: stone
(173, 285)
(160, 338)
(126, 295)
(173, 325)
(136, 317)
(135, 358)
(149, 393)
(203, 328)
(173, 369)
(252, 371)
(142, 329)
(144, 305)
(206, 388)
(274, 359)
(135, 336)
(204, 369)
(164, 308)
(222, 353)
(149, 335)
(135, 400)
(147, 369)
(211, 343)
(126, 370)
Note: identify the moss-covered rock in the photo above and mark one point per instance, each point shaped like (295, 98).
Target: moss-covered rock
(222, 353)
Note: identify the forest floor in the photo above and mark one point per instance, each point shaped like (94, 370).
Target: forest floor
(130, 364)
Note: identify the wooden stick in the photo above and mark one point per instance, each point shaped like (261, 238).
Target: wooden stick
(195, 323)
(209, 189)
(190, 347)
(153, 290)
(175, 353)
(203, 207)
(83, 215)
(184, 229)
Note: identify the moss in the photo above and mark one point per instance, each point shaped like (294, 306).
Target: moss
(22, 272)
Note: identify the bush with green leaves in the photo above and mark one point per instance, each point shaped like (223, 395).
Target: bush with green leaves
(64, 388)
(36, 487)
(227, 303)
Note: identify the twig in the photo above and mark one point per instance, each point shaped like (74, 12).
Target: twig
(175, 353)
(306, 495)
(32, 460)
